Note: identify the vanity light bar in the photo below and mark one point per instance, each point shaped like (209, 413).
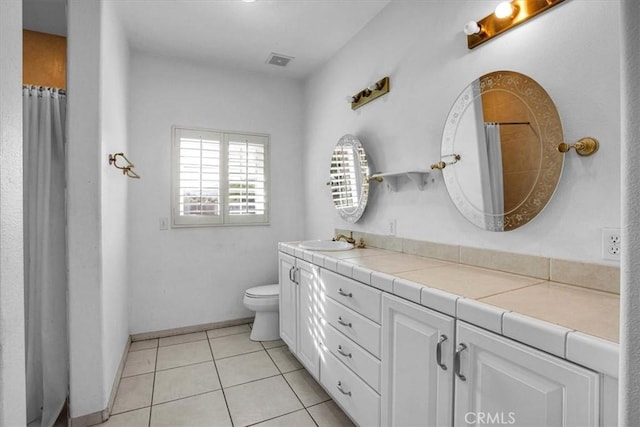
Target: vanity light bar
(507, 15)
(374, 91)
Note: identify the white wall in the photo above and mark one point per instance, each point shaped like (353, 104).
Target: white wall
(84, 166)
(190, 276)
(629, 384)
(114, 90)
(12, 382)
(422, 47)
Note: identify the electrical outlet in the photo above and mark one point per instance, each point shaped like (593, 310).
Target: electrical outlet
(611, 244)
(392, 227)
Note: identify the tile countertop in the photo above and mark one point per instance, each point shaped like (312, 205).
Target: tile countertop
(509, 304)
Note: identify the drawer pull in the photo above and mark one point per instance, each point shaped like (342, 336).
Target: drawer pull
(442, 339)
(341, 351)
(343, 323)
(348, 393)
(456, 361)
(344, 294)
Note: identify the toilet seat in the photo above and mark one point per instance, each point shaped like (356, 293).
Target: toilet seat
(267, 291)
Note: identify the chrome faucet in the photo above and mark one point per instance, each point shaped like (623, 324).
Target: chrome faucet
(348, 239)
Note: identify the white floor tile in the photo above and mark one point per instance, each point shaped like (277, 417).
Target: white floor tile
(244, 368)
(207, 409)
(140, 362)
(232, 345)
(306, 388)
(137, 418)
(329, 414)
(185, 381)
(177, 355)
(143, 345)
(298, 419)
(260, 400)
(230, 330)
(284, 359)
(133, 393)
(180, 339)
(273, 344)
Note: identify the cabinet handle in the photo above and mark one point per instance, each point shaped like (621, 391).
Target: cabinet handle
(344, 294)
(442, 339)
(348, 393)
(343, 323)
(341, 351)
(291, 278)
(296, 274)
(456, 361)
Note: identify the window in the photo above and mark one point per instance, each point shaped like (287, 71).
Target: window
(219, 178)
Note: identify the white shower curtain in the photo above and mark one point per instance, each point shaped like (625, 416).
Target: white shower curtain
(45, 254)
(496, 186)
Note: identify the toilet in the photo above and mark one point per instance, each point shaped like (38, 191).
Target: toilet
(264, 301)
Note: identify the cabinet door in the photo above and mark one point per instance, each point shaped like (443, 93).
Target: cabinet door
(416, 390)
(288, 301)
(308, 331)
(509, 383)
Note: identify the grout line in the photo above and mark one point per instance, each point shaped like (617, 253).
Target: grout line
(224, 395)
(240, 354)
(253, 381)
(182, 366)
(187, 397)
(276, 417)
(294, 392)
(153, 387)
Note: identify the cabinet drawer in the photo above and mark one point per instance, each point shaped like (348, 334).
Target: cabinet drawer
(356, 398)
(355, 357)
(355, 326)
(361, 298)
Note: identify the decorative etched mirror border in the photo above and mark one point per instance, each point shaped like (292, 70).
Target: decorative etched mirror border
(547, 123)
(352, 214)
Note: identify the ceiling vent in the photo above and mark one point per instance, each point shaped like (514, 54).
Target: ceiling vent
(278, 59)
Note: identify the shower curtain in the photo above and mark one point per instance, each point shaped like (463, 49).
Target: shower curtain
(45, 254)
(495, 184)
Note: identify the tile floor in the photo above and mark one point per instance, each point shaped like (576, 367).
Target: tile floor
(219, 378)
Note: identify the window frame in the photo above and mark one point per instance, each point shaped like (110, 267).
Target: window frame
(224, 219)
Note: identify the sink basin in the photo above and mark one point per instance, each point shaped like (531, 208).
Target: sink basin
(325, 245)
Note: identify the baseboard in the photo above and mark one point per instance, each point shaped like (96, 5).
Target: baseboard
(189, 329)
(102, 416)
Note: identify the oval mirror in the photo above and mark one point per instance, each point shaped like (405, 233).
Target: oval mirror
(349, 180)
(500, 146)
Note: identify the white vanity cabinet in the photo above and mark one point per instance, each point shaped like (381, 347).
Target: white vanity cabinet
(299, 327)
(417, 365)
(350, 367)
(500, 381)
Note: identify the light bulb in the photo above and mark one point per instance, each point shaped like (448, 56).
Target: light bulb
(350, 99)
(504, 10)
(373, 86)
(471, 27)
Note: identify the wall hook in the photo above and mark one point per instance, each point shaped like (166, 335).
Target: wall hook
(126, 169)
(584, 147)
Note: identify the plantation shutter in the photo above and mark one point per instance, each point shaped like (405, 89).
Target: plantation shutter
(247, 179)
(198, 155)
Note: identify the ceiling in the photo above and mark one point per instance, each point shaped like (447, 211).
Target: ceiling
(242, 35)
(231, 33)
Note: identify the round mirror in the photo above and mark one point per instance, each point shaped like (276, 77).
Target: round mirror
(500, 150)
(349, 180)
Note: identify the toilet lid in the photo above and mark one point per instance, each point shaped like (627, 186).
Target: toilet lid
(264, 291)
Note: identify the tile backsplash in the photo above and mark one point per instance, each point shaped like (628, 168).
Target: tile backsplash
(593, 276)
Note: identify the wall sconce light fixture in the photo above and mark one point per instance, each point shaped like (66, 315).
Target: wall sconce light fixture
(507, 15)
(373, 91)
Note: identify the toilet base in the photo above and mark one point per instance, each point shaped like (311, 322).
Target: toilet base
(266, 326)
